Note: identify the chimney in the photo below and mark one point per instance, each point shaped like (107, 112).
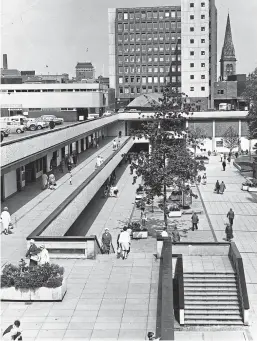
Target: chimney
(5, 65)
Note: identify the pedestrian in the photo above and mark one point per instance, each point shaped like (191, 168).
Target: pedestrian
(204, 179)
(120, 133)
(118, 144)
(222, 187)
(70, 178)
(43, 255)
(217, 187)
(131, 169)
(44, 181)
(134, 179)
(236, 155)
(106, 241)
(229, 159)
(32, 253)
(51, 124)
(114, 145)
(13, 332)
(176, 235)
(52, 181)
(99, 161)
(221, 157)
(5, 221)
(199, 178)
(62, 164)
(224, 165)
(229, 232)
(69, 166)
(195, 221)
(75, 158)
(124, 241)
(143, 217)
(164, 232)
(231, 216)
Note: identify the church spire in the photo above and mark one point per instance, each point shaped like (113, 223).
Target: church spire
(228, 50)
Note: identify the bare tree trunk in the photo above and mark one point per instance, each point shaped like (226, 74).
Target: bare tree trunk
(164, 205)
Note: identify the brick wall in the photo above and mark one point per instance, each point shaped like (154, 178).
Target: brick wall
(205, 126)
(244, 128)
(222, 126)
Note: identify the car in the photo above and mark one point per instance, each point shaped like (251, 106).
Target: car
(121, 110)
(41, 124)
(16, 127)
(4, 132)
(31, 124)
(49, 118)
(108, 113)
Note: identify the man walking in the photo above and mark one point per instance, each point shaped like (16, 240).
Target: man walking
(217, 187)
(195, 221)
(224, 165)
(231, 216)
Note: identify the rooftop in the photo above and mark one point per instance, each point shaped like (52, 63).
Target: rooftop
(84, 65)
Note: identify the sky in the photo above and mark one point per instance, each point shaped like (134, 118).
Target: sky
(59, 33)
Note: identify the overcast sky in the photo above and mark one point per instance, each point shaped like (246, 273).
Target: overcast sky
(57, 33)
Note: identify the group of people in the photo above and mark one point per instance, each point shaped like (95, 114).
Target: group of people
(48, 181)
(219, 187)
(37, 255)
(202, 179)
(224, 160)
(123, 242)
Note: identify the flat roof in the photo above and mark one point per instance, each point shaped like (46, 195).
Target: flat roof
(26, 86)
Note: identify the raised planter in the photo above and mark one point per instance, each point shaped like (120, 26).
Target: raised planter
(175, 214)
(40, 294)
(140, 235)
(244, 188)
(252, 189)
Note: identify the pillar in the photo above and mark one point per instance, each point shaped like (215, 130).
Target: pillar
(213, 136)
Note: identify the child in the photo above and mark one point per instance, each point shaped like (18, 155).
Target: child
(229, 232)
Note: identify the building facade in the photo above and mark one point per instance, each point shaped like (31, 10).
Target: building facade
(85, 71)
(152, 46)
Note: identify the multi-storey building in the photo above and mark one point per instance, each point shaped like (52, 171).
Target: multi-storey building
(152, 46)
(85, 71)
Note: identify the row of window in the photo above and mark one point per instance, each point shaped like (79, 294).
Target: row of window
(145, 58)
(144, 69)
(193, 5)
(150, 26)
(193, 77)
(144, 89)
(149, 15)
(146, 37)
(192, 88)
(192, 29)
(49, 90)
(149, 79)
(155, 48)
(192, 16)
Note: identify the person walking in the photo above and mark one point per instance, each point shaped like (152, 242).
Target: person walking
(229, 159)
(224, 165)
(217, 187)
(229, 232)
(221, 157)
(44, 183)
(143, 216)
(98, 161)
(51, 124)
(151, 336)
(13, 332)
(106, 241)
(204, 179)
(195, 221)
(32, 253)
(114, 145)
(222, 187)
(231, 216)
(43, 255)
(5, 220)
(124, 242)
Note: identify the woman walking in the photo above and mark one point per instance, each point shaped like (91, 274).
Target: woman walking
(217, 187)
(124, 242)
(229, 232)
(222, 187)
(106, 241)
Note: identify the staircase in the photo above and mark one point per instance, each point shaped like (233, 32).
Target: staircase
(211, 299)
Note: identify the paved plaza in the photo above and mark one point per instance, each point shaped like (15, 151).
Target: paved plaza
(115, 299)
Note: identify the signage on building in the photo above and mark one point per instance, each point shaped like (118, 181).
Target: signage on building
(219, 143)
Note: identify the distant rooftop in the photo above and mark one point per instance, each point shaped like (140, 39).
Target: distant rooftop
(84, 65)
(10, 73)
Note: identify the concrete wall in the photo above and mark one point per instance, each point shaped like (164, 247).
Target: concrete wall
(113, 130)
(10, 183)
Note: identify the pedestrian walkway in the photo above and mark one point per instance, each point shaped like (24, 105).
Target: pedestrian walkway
(37, 210)
(33, 189)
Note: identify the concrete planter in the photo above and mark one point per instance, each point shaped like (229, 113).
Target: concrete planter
(175, 214)
(244, 188)
(252, 189)
(140, 235)
(40, 294)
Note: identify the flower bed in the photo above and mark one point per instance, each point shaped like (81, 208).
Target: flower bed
(38, 283)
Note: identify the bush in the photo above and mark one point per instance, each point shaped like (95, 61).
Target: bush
(201, 157)
(24, 277)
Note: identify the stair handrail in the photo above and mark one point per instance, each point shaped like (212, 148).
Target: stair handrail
(180, 278)
(238, 266)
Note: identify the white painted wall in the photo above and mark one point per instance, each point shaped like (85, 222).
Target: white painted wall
(10, 183)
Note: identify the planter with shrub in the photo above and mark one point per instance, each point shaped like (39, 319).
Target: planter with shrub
(174, 211)
(38, 283)
(138, 231)
(252, 187)
(245, 186)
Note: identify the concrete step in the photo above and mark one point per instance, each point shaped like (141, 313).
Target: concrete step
(212, 312)
(210, 299)
(214, 307)
(221, 317)
(213, 281)
(213, 322)
(204, 289)
(209, 284)
(209, 274)
(211, 293)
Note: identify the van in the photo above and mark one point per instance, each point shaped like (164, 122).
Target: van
(224, 106)
(13, 126)
(18, 119)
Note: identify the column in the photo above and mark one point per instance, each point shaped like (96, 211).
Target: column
(213, 136)
(240, 135)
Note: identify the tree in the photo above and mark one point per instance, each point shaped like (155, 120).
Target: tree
(231, 139)
(250, 94)
(196, 138)
(169, 162)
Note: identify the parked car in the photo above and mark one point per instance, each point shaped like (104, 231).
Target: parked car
(31, 124)
(121, 110)
(4, 132)
(16, 127)
(48, 118)
(41, 124)
(108, 113)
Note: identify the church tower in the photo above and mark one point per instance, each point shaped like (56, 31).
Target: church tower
(228, 57)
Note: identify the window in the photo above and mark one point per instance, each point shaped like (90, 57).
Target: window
(202, 64)
(138, 59)
(167, 36)
(138, 69)
(173, 68)
(119, 38)
(143, 15)
(149, 37)
(119, 27)
(143, 26)
(202, 88)
(150, 69)
(161, 25)
(161, 58)
(132, 90)
(120, 16)
(132, 79)
(202, 4)
(126, 90)
(144, 69)
(202, 41)
(161, 79)
(132, 37)
(143, 37)
(137, 37)
(202, 28)
(155, 26)
(121, 90)
(173, 14)
(144, 59)
(132, 69)
(173, 58)
(167, 58)
(125, 16)
(125, 37)
(192, 53)
(167, 47)
(125, 69)
(192, 17)
(149, 26)
(192, 29)
(155, 79)
(179, 68)
(143, 80)
(137, 48)
(149, 15)
(138, 90)
(120, 80)
(192, 64)
(173, 26)
(161, 49)
(126, 79)
(161, 36)
(202, 16)
(131, 16)
(220, 92)
(150, 58)
(137, 27)
(143, 48)
(168, 79)
(155, 15)
(192, 88)
(192, 41)
(202, 76)
(120, 69)
(161, 14)
(132, 48)
(138, 80)
(192, 77)
(156, 69)
(161, 69)
(150, 79)
(192, 4)
(125, 27)
(167, 68)
(155, 58)
(202, 53)
(173, 79)
(167, 14)
(126, 59)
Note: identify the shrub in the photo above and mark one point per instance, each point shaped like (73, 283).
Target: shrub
(202, 157)
(24, 277)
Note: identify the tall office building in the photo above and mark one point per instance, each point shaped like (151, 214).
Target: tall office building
(152, 46)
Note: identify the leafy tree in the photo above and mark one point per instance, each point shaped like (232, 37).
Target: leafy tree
(196, 138)
(250, 94)
(169, 162)
(231, 139)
